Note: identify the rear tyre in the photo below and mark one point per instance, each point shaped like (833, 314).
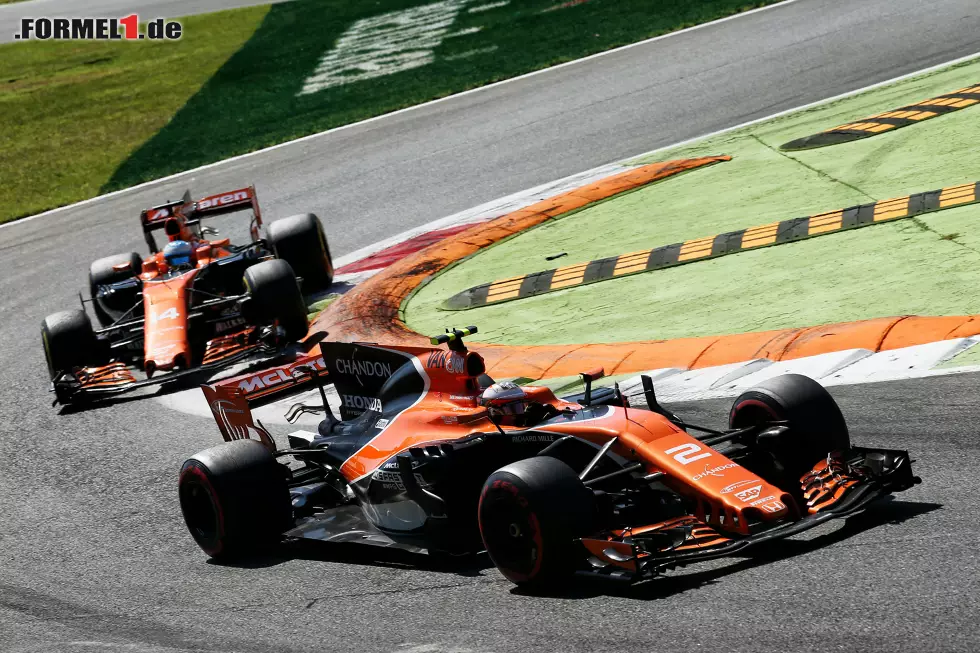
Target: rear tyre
(530, 513)
(101, 273)
(69, 341)
(235, 499)
(299, 240)
(816, 425)
(275, 294)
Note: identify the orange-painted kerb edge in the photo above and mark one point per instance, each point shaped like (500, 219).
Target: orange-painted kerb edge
(370, 312)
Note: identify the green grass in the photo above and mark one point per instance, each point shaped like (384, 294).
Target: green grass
(72, 112)
(929, 265)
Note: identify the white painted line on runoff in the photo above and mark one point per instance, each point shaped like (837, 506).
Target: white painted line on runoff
(500, 83)
(470, 53)
(488, 7)
(901, 363)
(385, 44)
(816, 367)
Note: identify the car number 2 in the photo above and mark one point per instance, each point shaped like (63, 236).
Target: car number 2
(686, 454)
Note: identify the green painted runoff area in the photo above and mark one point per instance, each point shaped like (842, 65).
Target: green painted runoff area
(926, 266)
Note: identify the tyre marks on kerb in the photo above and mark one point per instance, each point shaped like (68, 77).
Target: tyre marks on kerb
(776, 233)
(882, 122)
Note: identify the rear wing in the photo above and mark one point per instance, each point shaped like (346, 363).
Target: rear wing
(187, 211)
(357, 372)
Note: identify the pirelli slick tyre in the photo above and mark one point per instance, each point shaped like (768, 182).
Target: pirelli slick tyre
(103, 272)
(530, 514)
(816, 425)
(69, 341)
(275, 297)
(299, 240)
(235, 499)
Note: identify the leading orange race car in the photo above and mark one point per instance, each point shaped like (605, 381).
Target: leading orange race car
(196, 305)
(430, 453)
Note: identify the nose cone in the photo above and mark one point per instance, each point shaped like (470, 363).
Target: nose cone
(165, 325)
(165, 358)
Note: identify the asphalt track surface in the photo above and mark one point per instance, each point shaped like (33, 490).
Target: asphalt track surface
(93, 553)
(11, 14)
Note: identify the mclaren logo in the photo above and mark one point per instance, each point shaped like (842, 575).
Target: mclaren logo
(222, 200)
(271, 378)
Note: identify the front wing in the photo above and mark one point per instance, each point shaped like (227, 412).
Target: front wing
(116, 378)
(834, 489)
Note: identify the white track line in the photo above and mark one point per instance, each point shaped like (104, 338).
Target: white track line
(395, 113)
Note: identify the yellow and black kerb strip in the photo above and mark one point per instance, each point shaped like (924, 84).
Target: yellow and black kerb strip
(890, 120)
(776, 233)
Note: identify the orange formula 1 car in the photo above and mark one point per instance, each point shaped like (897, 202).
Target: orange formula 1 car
(431, 454)
(196, 305)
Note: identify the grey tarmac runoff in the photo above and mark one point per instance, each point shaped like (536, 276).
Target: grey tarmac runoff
(93, 552)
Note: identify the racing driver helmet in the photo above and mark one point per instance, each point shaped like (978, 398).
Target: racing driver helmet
(507, 399)
(179, 255)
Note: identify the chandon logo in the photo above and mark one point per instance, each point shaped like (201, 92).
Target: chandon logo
(363, 368)
(713, 471)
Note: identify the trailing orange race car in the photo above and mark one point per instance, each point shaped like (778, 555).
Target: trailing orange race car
(430, 453)
(195, 305)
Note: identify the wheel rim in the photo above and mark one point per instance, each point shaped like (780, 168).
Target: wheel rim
(512, 534)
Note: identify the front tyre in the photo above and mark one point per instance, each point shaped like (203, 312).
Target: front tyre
(275, 295)
(235, 499)
(530, 514)
(69, 342)
(299, 240)
(816, 425)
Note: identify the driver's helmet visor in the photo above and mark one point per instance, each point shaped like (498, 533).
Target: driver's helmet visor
(515, 407)
(178, 261)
